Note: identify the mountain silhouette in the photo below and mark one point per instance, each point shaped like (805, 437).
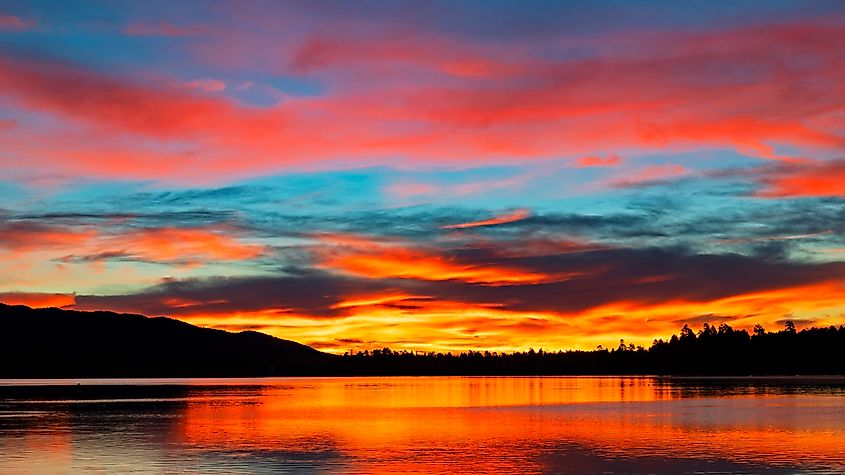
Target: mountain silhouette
(55, 343)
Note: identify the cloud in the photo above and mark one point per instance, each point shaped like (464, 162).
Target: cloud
(7, 124)
(791, 237)
(407, 189)
(165, 29)
(648, 176)
(14, 23)
(611, 160)
(92, 243)
(80, 94)
(643, 277)
(28, 236)
(512, 217)
(400, 100)
(37, 300)
(171, 245)
(810, 178)
(312, 294)
(207, 85)
(599, 296)
(433, 108)
(374, 259)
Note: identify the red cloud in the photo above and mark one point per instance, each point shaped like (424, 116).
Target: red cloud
(808, 178)
(460, 102)
(596, 161)
(110, 102)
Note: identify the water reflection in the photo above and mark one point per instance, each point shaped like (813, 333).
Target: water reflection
(426, 425)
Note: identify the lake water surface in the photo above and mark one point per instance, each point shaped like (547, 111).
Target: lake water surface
(578, 425)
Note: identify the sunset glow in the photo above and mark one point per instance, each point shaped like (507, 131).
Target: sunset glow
(426, 175)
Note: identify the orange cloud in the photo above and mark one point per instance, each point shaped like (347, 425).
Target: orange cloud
(517, 215)
(164, 244)
(375, 260)
(420, 318)
(24, 236)
(420, 323)
(37, 300)
(181, 244)
(414, 264)
(551, 294)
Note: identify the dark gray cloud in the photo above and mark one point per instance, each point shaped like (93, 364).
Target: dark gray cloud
(592, 278)
(305, 292)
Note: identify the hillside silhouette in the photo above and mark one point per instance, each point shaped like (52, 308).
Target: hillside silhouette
(54, 343)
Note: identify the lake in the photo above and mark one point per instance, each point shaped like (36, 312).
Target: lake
(577, 425)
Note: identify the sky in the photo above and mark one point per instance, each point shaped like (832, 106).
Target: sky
(427, 175)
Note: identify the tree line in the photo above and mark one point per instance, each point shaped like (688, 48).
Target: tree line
(712, 350)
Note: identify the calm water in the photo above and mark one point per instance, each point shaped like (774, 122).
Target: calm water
(424, 425)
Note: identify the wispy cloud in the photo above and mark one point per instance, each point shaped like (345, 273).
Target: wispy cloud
(165, 29)
(207, 85)
(611, 160)
(513, 216)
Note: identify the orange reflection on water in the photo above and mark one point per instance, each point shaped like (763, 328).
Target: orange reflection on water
(505, 424)
(435, 425)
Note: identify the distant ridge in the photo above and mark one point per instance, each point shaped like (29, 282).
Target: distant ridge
(56, 343)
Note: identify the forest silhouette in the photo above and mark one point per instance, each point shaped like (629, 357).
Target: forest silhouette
(712, 350)
(51, 343)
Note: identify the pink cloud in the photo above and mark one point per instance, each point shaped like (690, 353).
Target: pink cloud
(407, 189)
(449, 102)
(207, 85)
(513, 216)
(648, 175)
(611, 160)
(7, 124)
